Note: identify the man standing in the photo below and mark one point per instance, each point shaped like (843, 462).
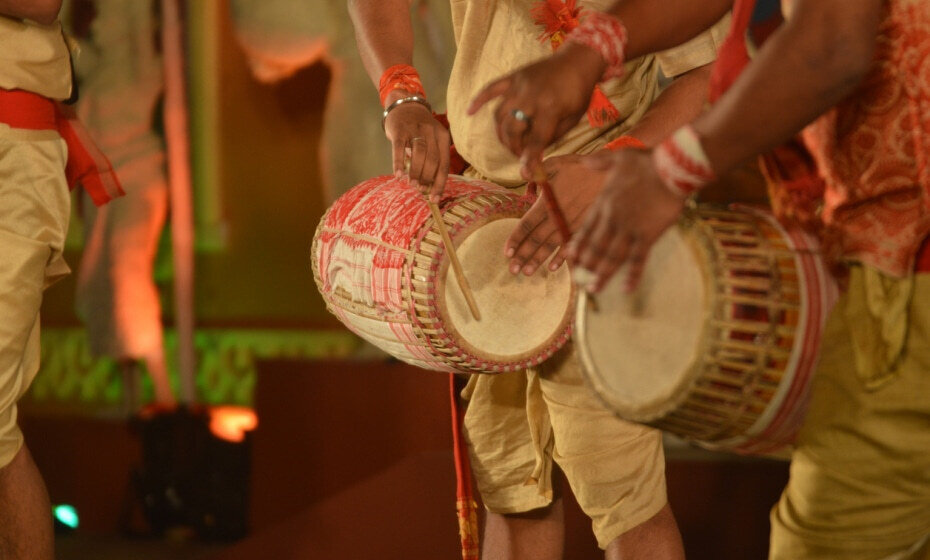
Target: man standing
(34, 70)
(853, 76)
(518, 424)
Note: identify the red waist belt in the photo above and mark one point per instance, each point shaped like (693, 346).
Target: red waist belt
(86, 163)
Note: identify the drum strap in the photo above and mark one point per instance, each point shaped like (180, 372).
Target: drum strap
(466, 506)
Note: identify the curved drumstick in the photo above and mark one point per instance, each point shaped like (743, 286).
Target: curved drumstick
(456, 265)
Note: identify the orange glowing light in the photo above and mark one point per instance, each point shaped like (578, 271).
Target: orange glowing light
(232, 422)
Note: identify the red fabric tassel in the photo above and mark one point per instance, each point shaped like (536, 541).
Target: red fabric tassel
(558, 18)
(86, 165)
(601, 111)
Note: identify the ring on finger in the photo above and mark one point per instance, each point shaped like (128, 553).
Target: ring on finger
(521, 116)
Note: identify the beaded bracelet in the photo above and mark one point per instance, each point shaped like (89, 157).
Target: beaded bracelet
(681, 162)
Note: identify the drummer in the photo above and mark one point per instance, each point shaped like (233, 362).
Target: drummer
(853, 76)
(518, 424)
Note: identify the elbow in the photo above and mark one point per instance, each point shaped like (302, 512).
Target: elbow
(846, 54)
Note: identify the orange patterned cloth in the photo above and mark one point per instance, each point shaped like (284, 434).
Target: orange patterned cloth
(872, 150)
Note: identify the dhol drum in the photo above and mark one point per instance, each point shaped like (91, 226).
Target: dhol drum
(379, 262)
(719, 342)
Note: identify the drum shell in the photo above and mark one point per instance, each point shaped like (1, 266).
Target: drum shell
(406, 315)
(747, 388)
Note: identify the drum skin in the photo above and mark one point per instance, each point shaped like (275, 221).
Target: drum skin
(719, 342)
(380, 265)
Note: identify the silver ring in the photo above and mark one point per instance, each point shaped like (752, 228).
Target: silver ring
(415, 138)
(520, 115)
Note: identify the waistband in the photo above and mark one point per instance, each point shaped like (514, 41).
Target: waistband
(87, 165)
(24, 109)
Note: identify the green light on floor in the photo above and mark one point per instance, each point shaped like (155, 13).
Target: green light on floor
(66, 515)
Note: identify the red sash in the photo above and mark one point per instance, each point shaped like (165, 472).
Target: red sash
(86, 163)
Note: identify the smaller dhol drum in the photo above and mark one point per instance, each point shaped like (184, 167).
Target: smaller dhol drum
(719, 341)
(379, 262)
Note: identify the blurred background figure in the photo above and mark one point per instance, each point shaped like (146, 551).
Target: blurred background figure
(119, 69)
(280, 37)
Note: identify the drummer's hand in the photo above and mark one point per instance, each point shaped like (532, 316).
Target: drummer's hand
(417, 136)
(553, 94)
(634, 208)
(536, 236)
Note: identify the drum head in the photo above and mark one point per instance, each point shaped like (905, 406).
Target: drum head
(640, 351)
(520, 315)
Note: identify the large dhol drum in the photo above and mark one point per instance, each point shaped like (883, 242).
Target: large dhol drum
(719, 342)
(379, 262)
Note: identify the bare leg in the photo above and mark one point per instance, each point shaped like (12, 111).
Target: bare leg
(535, 535)
(158, 371)
(25, 513)
(656, 539)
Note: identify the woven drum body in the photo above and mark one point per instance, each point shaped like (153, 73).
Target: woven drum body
(719, 342)
(379, 262)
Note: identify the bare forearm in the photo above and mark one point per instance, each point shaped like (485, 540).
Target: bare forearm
(652, 26)
(812, 63)
(42, 11)
(383, 32)
(680, 103)
(658, 25)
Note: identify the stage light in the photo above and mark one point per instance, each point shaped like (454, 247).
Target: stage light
(230, 423)
(66, 516)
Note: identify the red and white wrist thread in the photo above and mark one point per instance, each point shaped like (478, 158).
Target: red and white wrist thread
(681, 162)
(400, 76)
(606, 35)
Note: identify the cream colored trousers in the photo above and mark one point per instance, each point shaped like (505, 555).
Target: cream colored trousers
(34, 212)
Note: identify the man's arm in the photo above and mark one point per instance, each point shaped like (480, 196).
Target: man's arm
(576, 185)
(384, 35)
(812, 62)
(815, 60)
(555, 91)
(41, 11)
(678, 104)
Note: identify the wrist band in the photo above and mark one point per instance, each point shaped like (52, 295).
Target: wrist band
(681, 162)
(606, 35)
(625, 141)
(400, 76)
(401, 101)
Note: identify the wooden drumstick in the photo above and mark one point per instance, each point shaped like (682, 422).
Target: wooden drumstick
(454, 259)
